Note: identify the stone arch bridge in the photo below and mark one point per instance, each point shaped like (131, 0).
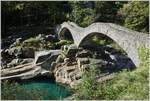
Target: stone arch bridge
(127, 39)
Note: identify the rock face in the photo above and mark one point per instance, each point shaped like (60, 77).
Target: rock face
(78, 60)
(28, 53)
(29, 68)
(24, 71)
(18, 61)
(84, 53)
(45, 58)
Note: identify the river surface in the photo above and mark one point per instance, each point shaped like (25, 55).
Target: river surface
(49, 89)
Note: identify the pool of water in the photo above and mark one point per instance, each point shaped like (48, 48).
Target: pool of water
(51, 90)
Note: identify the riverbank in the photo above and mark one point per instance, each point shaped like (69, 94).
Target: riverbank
(46, 87)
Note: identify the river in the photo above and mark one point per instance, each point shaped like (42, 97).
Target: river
(47, 87)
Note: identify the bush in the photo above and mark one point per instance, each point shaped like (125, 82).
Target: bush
(80, 14)
(87, 90)
(37, 43)
(12, 91)
(126, 85)
(62, 43)
(32, 42)
(136, 15)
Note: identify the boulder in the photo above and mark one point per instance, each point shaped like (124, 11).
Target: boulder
(82, 61)
(84, 53)
(15, 51)
(17, 42)
(27, 60)
(51, 38)
(24, 71)
(41, 56)
(28, 52)
(14, 62)
(60, 59)
(53, 65)
(75, 83)
(98, 61)
(72, 50)
(45, 58)
(66, 60)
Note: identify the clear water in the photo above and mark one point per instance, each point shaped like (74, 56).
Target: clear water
(52, 90)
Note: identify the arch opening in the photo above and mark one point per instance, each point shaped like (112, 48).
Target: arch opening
(107, 49)
(65, 34)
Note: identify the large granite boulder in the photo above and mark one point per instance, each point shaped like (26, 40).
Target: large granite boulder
(17, 42)
(28, 52)
(24, 71)
(45, 58)
(84, 53)
(60, 59)
(72, 50)
(82, 61)
(15, 51)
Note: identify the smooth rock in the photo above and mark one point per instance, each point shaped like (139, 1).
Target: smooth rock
(84, 53)
(28, 52)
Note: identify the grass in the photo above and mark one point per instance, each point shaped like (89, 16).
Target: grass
(126, 85)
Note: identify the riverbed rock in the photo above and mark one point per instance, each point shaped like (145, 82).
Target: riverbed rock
(17, 42)
(60, 59)
(72, 50)
(28, 52)
(24, 71)
(45, 58)
(14, 62)
(84, 53)
(53, 65)
(15, 51)
(27, 60)
(42, 56)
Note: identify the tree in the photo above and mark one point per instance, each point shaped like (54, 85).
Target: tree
(87, 90)
(82, 13)
(136, 15)
(106, 11)
(13, 91)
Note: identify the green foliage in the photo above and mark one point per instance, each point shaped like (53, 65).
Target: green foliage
(61, 43)
(12, 91)
(32, 42)
(132, 14)
(136, 15)
(37, 43)
(131, 85)
(126, 85)
(80, 14)
(101, 40)
(106, 11)
(87, 90)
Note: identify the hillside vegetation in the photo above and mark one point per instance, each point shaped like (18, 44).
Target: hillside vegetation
(125, 85)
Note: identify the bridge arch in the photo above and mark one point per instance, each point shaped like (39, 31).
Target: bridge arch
(65, 34)
(127, 39)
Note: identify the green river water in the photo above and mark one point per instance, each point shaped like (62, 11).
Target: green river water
(49, 88)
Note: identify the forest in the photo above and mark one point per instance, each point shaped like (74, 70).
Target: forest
(37, 64)
(133, 15)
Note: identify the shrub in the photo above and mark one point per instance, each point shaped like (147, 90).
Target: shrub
(32, 42)
(12, 91)
(126, 85)
(136, 15)
(87, 90)
(62, 43)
